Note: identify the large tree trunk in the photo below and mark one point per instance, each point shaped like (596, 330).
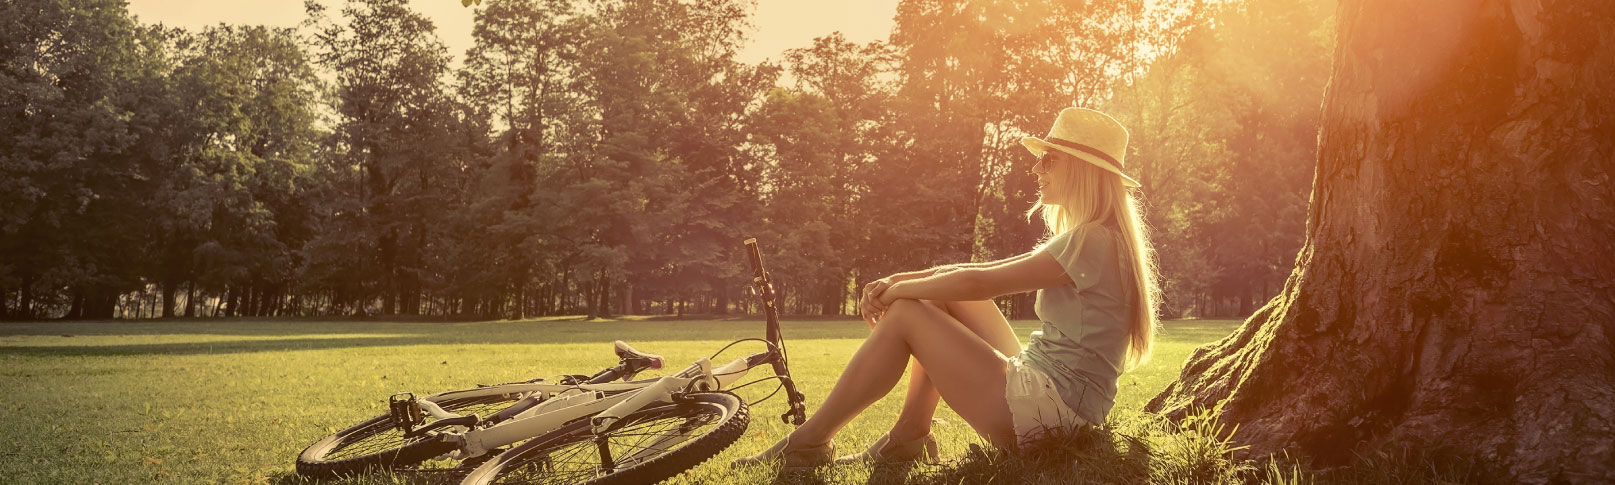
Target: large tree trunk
(25, 302)
(605, 296)
(249, 300)
(190, 299)
(168, 298)
(1454, 291)
(76, 310)
(722, 306)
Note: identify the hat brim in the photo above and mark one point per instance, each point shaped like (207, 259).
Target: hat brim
(1037, 146)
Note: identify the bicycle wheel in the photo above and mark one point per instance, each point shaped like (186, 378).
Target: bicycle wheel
(649, 446)
(376, 443)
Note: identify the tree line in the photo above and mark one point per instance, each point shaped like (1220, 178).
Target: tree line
(607, 157)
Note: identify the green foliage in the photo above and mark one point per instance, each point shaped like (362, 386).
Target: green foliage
(823, 140)
(75, 173)
(975, 79)
(1224, 134)
(607, 157)
(234, 204)
(392, 147)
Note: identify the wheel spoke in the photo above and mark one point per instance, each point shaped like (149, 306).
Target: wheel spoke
(380, 436)
(582, 457)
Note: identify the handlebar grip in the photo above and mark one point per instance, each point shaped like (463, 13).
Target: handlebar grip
(756, 257)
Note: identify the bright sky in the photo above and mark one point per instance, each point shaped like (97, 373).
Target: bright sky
(780, 24)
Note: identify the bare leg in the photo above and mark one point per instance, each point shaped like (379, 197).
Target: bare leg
(919, 405)
(984, 319)
(963, 365)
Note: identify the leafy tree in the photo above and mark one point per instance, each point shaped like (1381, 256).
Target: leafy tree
(516, 76)
(1274, 60)
(822, 137)
(645, 65)
(1222, 135)
(232, 205)
(394, 111)
(607, 156)
(72, 194)
(974, 77)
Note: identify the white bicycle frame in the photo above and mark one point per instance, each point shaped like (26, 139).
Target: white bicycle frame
(560, 404)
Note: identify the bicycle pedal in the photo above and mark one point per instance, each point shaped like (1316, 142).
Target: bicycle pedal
(405, 415)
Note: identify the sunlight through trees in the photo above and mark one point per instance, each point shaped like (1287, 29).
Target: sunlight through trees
(606, 157)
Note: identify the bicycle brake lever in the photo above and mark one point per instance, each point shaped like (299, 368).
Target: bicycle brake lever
(796, 402)
(796, 416)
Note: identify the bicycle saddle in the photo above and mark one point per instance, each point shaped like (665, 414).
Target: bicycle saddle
(626, 352)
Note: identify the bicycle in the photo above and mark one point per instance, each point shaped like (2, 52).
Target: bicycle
(579, 429)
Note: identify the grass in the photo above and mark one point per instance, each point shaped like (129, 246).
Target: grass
(233, 401)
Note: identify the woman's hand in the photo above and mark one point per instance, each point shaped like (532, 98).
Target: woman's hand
(890, 295)
(870, 304)
(875, 299)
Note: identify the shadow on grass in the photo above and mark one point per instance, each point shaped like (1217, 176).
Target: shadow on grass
(404, 477)
(1089, 455)
(48, 340)
(893, 473)
(219, 347)
(1080, 456)
(247, 326)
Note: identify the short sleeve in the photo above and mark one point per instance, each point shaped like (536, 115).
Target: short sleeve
(1082, 252)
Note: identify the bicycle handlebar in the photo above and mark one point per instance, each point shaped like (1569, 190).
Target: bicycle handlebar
(756, 257)
(765, 290)
(797, 412)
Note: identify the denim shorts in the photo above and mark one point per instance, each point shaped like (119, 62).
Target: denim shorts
(1034, 406)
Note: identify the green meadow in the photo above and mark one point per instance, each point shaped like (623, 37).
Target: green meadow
(234, 401)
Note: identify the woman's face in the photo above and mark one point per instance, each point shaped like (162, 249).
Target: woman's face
(1050, 171)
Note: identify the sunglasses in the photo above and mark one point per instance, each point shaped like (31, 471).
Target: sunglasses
(1047, 158)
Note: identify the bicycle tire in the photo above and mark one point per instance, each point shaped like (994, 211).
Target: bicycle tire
(531, 462)
(341, 453)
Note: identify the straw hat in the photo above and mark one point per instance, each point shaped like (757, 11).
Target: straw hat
(1089, 135)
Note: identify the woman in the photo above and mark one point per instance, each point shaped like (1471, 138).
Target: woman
(1095, 296)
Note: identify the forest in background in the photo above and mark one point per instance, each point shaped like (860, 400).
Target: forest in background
(607, 157)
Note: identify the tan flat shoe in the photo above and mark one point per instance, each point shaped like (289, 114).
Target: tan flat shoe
(797, 459)
(884, 450)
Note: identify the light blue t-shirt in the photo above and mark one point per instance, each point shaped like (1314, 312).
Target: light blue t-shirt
(1083, 344)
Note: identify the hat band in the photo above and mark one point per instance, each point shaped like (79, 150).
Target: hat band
(1085, 148)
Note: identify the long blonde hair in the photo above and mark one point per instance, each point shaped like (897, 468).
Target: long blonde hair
(1093, 194)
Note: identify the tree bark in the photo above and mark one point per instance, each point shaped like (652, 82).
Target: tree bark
(168, 298)
(25, 303)
(1454, 291)
(190, 299)
(605, 296)
(249, 300)
(232, 300)
(723, 296)
(76, 310)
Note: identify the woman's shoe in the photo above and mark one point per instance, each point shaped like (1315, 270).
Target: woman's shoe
(793, 459)
(922, 449)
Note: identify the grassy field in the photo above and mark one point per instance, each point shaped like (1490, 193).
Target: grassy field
(233, 401)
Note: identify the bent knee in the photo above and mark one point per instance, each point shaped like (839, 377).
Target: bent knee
(906, 305)
(902, 310)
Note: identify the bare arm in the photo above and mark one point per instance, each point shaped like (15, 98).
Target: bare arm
(870, 305)
(910, 275)
(1026, 272)
(984, 264)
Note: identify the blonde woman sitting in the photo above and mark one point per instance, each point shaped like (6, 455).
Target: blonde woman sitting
(1095, 296)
